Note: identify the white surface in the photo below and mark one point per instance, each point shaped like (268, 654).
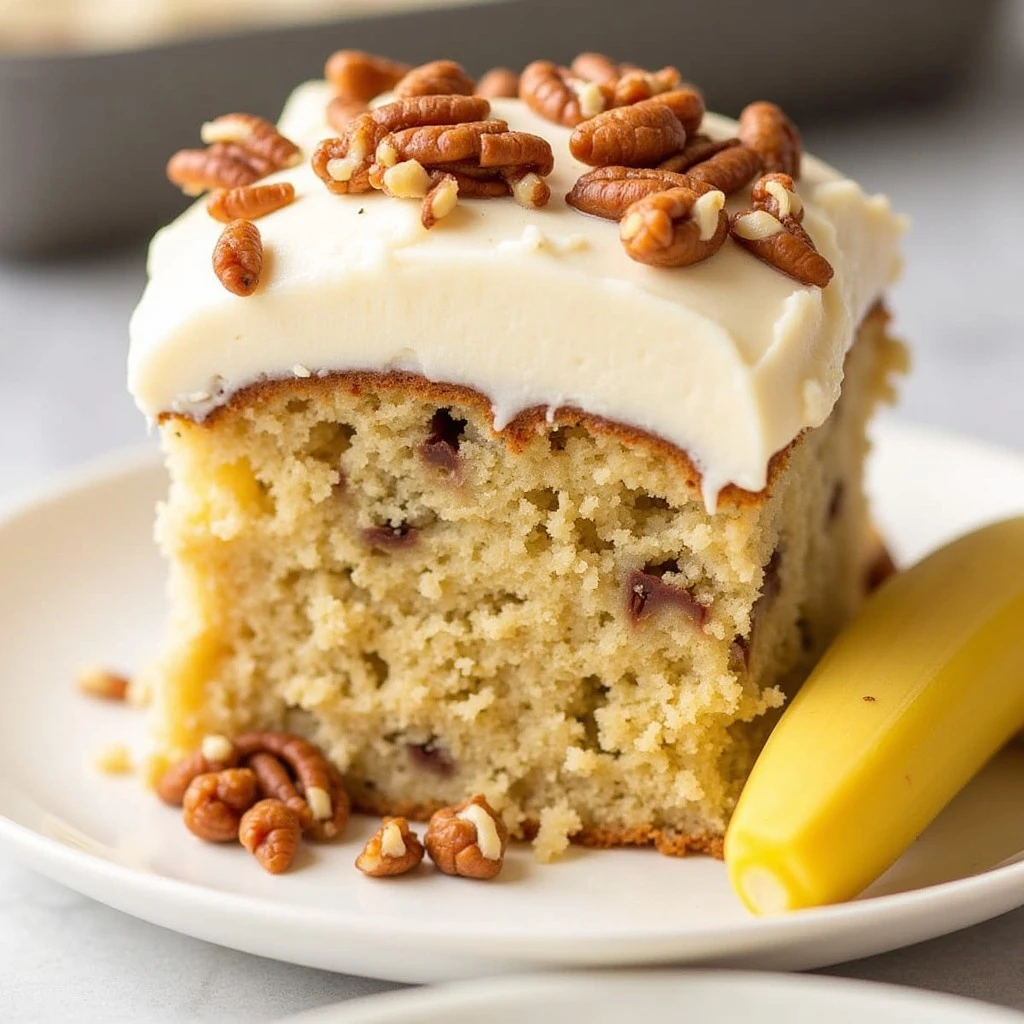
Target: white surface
(728, 359)
(62, 399)
(732, 998)
(92, 578)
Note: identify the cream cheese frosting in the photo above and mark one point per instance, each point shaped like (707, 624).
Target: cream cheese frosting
(728, 359)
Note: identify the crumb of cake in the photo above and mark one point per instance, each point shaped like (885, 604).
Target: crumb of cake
(114, 759)
(154, 767)
(556, 827)
(97, 681)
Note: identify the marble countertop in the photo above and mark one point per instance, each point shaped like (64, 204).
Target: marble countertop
(957, 169)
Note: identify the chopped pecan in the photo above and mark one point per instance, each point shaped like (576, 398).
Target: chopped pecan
(408, 179)
(546, 91)
(729, 169)
(394, 849)
(675, 228)
(341, 173)
(647, 592)
(438, 78)
(215, 754)
(472, 187)
(468, 840)
(609, 191)
(441, 198)
(305, 759)
(776, 194)
(529, 190)
(517, 150)
(238, 257)
(341, 112)
(96, 681)
(271, 832)
(195, 171)
(324, 829)
(360, 76)
(498, 83)
(772, 242)
(249, 202)
(632, 136)
(698, 148)
(436, 144)
(214, 803)
(391, 538)
(766, 130)
(595, 67)
(257, 136)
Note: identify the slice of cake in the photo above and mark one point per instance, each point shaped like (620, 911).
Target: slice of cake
(515, 443)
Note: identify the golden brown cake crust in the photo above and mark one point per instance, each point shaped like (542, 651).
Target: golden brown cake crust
(521, 430)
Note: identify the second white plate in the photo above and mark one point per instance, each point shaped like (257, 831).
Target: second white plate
(81, 582)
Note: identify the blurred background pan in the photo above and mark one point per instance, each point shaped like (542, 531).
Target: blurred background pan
(96, 94)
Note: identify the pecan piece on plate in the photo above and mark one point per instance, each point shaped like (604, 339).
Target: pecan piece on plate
(675, 228)
(394, 849)
(96, 681)
(271, 832)
(214, 754)
(359, 76)
(634, 136)
(238, 257)
(215, 802)
(765, 128)
(468, 840)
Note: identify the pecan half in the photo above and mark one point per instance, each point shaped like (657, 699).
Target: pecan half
(436, 144)
(634, 86)
(772, 242)
(195, 171)
(275, 783)
(632, 136)
(595, 67)
(255, 135)
(468, 840)
(440, 200)
(341, 112)
(545, 90)
(438, 78)
(249, 202)
(214, 803)
(498, 83)
(729, 169)
(394, 849)
(238, 257)
(686, 103)
(271, 832)
(519, 150)
(609, 191)
(766, 130)
(360, 76)
(215, 754)
(698, 148)
(675, 228)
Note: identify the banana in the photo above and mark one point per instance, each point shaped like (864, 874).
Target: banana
(909, 702)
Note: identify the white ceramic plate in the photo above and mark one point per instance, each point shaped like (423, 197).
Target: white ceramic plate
(80, 581)
(612, 998)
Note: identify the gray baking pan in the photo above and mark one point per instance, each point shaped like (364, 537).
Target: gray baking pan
(84, 136)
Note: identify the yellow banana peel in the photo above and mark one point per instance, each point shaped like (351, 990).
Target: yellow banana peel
(908, 703)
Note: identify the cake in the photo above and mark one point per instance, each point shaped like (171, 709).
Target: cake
(485, 493)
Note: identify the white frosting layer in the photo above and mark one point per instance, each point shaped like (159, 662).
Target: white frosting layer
(728, 359)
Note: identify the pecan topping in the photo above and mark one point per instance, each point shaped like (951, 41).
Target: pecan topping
(394, 849)
(779, 239)
(238, 257)
(214, 803)
(436, 144)
(545, 90)
(767, 131)
(609, 191)
(467, 840)
(406, 180)
(438, 78)
(360, 76)
(498, 83)
(686, 103)
(95, 681)
(391, 538)
(648, 592)
(729, 169)
(529, 190)
(341, 173)
(517, 150)
(270, 831)
(596, 67)
(257, 137)
(636, 85)
(440, 200)
(195, 171)
(215, 754)
(698, 148)
(631, 136)
(249, 202)
(342, 112)
(473, 187)
(675, 228)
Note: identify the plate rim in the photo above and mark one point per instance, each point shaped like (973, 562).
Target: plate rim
(75, 867)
